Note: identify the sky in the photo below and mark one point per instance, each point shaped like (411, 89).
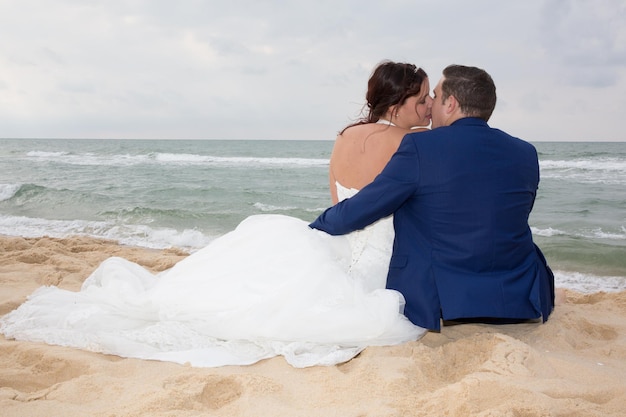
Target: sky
(278, 69)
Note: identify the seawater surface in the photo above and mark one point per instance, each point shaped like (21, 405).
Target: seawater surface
(184, 193)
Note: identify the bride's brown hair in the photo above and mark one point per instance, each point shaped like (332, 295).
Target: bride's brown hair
(391, 83)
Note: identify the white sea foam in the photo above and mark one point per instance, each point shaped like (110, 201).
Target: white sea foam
(589, 171)
(588, 283)
(132, 235)
(7, 191)
(549, 232)
(594, 164)
(46, 154)
(144, 236)
(596, 233)
(88, 158)
(608, 235)
(238, 161)
(271, 208)
(173, 159)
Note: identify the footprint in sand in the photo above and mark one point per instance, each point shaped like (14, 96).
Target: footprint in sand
(194, 392)
(219, 391)
(39, 369)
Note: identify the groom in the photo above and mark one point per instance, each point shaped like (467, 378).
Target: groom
(461, 196)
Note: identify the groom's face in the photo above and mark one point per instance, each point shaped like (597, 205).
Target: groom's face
(439, 115)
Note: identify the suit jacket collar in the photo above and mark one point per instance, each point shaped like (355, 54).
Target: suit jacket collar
(470, 121)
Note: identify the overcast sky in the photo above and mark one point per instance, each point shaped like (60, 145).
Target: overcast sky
(255, 69)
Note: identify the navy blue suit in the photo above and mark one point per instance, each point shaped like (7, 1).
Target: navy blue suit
(461, 196)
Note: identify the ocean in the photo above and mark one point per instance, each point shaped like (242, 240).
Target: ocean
(185, 193)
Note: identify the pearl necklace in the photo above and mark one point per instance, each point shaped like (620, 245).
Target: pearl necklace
(385, 122)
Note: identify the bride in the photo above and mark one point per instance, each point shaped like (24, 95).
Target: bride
(272, 286)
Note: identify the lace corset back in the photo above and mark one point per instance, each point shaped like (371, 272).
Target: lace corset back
(370, 247)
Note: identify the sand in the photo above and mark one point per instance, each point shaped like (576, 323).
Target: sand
(573, 365)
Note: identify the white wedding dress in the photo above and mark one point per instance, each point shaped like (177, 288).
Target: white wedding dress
(273, 286)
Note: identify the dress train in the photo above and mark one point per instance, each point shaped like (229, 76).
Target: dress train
(272, 286)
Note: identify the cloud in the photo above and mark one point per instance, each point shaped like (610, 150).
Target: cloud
(279, 69)
(589, 43)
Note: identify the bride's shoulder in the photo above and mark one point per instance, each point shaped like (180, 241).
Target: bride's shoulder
(370, 136)
(368, 128)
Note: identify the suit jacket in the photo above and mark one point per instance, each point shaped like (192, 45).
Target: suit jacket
(461, 197)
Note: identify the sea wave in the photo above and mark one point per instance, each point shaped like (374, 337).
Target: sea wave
(190, 159)
(590, 171)
(88, 158)
(588, 283)
(125, 234)
(21, 196)
(46, 154)
(172, 159)
(596, 233)
(8, 191)
(148, 214)
(269, 208)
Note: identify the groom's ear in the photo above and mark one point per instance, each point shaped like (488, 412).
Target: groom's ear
(451, 105)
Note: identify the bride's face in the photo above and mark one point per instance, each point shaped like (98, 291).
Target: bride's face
(416, 110)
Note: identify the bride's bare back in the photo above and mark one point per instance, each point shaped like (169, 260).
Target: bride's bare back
(361, 152)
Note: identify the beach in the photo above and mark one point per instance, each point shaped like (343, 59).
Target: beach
(573, 365)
